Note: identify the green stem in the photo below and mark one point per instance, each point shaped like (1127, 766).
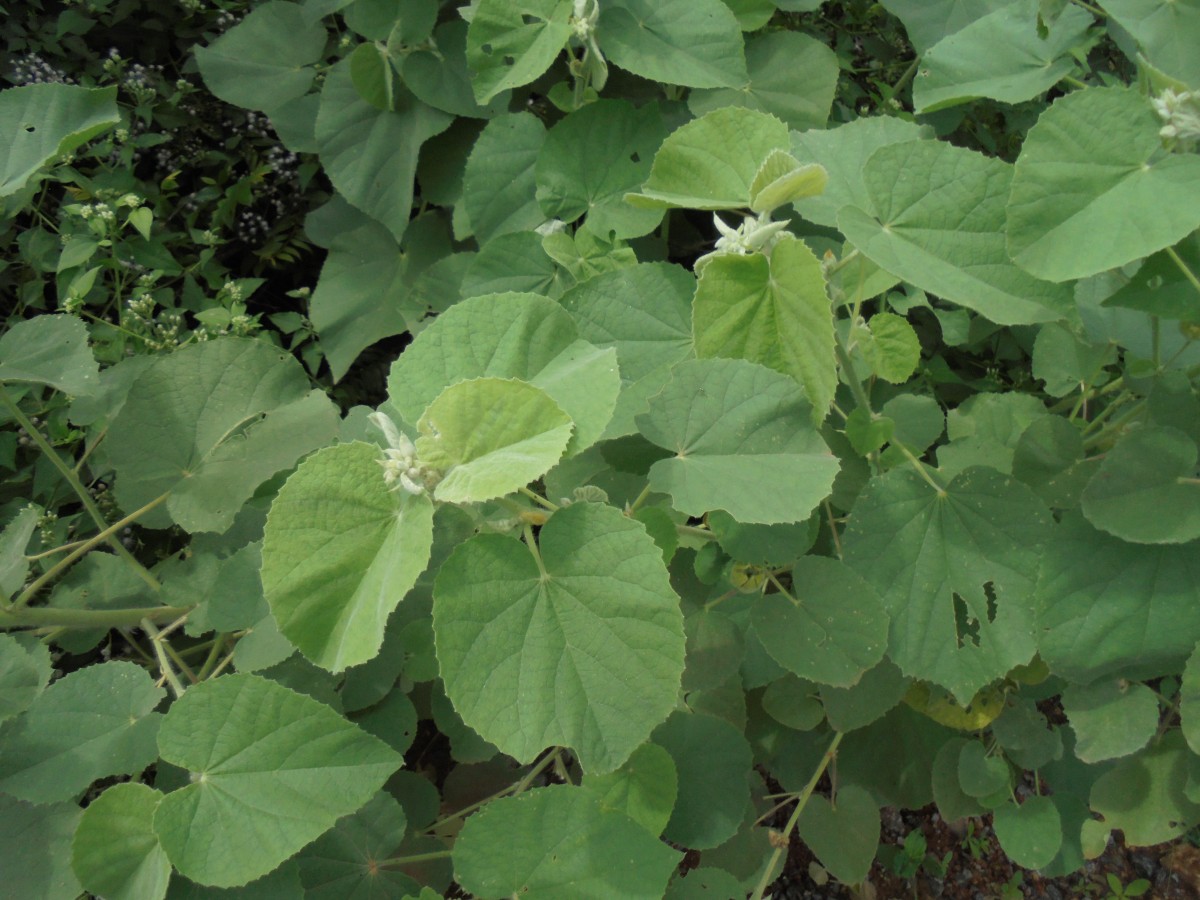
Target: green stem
(903, 80)
(1074, 82)
(65, 563)
(801, 802)
(851, 379)
(52, 617)
(538, 499)
(164, 664)
(843, 262)
(1116, 425)
(1181, 480)
(921, 469)
(1094, 10)
(539, 767)
(214, 654)
(72, 479)
(531, 543)
(693, 531)
(637, 504)
(416, 858)
(1184, 268)
(837, 541)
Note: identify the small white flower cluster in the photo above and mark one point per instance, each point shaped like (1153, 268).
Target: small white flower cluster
(755, 234)
(584, 16)
(1181, 113)
(32, 69)
(98, 210)
(401, 468)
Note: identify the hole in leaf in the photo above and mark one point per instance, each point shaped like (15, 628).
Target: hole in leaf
(29, 129)
(989, 591)
(528, 19)
(487, 49)
(634, 157)
(508, 60)
(966, 627)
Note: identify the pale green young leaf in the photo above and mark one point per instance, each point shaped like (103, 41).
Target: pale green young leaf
(270, 771)
(1093, 190)
(831, 630)
(14, 540)
(116, 853)
(498, 184)
(592, 158)
(710, 162)
(1110, 718)
(643, 788)
(955, 568)
(97, 721)
(1030, 834)
(1146, 795)
(559, 841)
(712, 758)
(773, 311)
(491, 436)
(373, 75)
(50, 350)
(266, 59)
(37, 861)
(1146, 489)
(340, 551)
(1168, 32)
(587, 655)
(1000, 56)
(781, 180)
(183, 409)
(1107, 607)
(929, 21)
(694, 43)
(743, 441)
(24, 673)
(843, 153)
(44, 121)
(843, 836)
(893, 349)
(513, 335)
(370, 154)
(512, 42)
(645, 312)
(792, 76)
(343, 863)
(936, 219)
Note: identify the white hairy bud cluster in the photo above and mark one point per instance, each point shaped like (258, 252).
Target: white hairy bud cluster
(401, 468)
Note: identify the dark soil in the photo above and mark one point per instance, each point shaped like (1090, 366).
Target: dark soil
(977, 869)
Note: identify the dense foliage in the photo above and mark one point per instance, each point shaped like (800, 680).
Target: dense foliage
(707, 415)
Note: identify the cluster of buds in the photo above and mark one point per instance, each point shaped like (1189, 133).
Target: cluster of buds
(756, 234)
(401, 468)
(1180, 111)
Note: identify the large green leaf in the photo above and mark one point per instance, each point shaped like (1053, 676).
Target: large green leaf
(37, 841)
(743, 441)
(498, 184)
(116, 853)
(370, 154)
(97, 721)
(1110, 718)
(1145, 795)
(556, 842)
(929, 21)
(955, 568)
(936, 219)
(44, 121)
(491, 436)
(1093, 190)
(266, 59)
(512, 42)
(832, 627)
(340, 552)
(344, 862)
(645, 312)
(50, 350)
(710, 163)
(770, 310)
(1168, 32)
(1000, 56)
(694, 43)
(712, 758)
(792, 76)
(208, 424)
(592, 158)
(582, 647)
(1107, 607)
(513, 335)
(1146, 489)
(843, 153)
(270, 770)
